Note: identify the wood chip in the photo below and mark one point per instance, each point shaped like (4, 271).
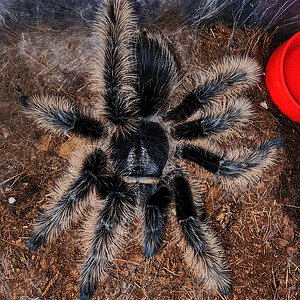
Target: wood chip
(292, 250)
(288, 230)
(281, 243)
(68, 147)
(44, 142)
(50, 284)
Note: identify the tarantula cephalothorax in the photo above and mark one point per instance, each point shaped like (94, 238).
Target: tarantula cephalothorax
(138, 138)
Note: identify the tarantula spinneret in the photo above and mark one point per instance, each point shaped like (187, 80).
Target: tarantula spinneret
(138, 138)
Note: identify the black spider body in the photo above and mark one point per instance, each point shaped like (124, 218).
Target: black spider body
(142, 154)
(136, 139)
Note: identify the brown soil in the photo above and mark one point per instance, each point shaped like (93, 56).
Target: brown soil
(259, 226)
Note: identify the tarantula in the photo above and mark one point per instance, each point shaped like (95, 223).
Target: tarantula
(136, 139)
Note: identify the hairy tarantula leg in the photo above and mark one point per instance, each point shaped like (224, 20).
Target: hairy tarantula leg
(113, 70)
(108, 230)
(71, 206)
(158, 73)
(60, 115)
(242, 165)
(204, 252)
(155, 220)
(230, 76)
(234, 113)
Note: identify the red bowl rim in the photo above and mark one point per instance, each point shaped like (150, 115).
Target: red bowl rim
(286, 46)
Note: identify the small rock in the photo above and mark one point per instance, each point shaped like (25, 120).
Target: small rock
(264, 105)
(268, 246)
(69, 288)
(54, 269)
(23, 259)
(11, 200)
(18, 242)
(5, 133)
(43, 264)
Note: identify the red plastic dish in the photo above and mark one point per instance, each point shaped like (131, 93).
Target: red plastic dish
(283, 77)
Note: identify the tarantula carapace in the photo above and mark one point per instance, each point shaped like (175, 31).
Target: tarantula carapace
(136, 139)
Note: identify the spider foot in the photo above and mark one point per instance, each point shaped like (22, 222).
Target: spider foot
(153, 235)
(87, 291)
(23, 100)
(151, 246)
(155, 221)
(36, 241)
(205, 255)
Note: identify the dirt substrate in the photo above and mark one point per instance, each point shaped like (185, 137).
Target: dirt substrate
(259, 226)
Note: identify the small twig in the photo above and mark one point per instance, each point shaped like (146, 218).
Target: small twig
(142, 289)
(212, 32)
(287, 276)
(11, 178)
(274, 280)
(293, 206)
(222, 297)
(50, 284)
(15, 245)
(127, 261)
(297, 267)
(171, 272)
(265, 237)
